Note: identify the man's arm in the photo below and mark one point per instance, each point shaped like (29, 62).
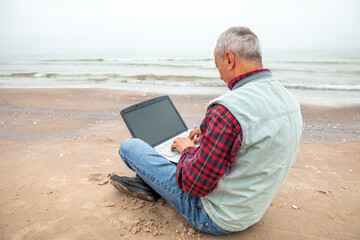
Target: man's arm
(199, 169)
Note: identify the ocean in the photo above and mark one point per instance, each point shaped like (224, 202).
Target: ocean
(316, 70)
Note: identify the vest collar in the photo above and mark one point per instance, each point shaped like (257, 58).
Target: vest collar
(253, 77)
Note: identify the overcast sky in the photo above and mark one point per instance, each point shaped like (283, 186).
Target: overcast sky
(172, 28)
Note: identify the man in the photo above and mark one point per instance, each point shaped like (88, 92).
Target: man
(248, 141)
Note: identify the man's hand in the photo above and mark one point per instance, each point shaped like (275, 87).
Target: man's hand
(181, 143)
(194, 135)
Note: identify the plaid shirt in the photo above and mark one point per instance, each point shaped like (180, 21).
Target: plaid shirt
(199, 169)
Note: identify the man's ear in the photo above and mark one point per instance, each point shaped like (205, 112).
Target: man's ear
(230, 59)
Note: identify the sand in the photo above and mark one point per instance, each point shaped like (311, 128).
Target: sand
(59, 146)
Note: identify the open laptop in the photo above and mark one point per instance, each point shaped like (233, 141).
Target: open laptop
(157, 122)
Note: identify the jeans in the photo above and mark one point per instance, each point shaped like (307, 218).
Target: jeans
(160, 174)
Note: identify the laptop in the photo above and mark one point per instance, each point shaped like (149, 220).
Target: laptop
(157, 122)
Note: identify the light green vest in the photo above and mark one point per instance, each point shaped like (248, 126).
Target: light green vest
(271, 124)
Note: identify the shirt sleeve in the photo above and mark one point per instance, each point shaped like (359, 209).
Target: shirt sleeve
(199, 169)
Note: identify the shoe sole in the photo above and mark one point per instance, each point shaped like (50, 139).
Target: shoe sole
(141, 195)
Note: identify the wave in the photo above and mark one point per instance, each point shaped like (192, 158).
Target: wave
(75, 60)
(171, 77)
(130, 60)
(27, 74)
(178, 63)
(315, 62)
(307, 71)
(354, 88)
(152, 60)
(107, 76)
(217, 83)
(40, 75)
(155, 64)
(168, 80)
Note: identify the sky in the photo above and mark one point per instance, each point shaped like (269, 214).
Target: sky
(172, 28)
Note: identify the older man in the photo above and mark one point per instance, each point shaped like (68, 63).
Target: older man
(248, 141)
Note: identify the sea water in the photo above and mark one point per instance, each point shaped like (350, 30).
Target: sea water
(314, 70)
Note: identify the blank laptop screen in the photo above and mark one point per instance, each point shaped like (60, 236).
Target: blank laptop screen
(154, 122)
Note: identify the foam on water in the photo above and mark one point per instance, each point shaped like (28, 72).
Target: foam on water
(303, 70)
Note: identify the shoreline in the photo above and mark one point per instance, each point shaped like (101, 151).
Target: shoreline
(58, 147)
(316, 97)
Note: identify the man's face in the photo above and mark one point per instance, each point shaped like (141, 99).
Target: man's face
(221, 65)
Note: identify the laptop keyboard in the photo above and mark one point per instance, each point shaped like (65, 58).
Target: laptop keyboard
(166, 150)
(165, 147)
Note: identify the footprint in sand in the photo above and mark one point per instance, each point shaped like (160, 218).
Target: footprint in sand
(99, 178)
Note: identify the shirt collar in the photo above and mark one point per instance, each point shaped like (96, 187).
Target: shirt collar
(241, 77)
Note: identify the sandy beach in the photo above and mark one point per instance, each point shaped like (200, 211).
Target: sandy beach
(58, 148)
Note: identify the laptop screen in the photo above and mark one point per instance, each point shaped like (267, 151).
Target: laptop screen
(154, 121)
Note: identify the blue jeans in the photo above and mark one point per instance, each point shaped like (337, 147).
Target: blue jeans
(160, 174)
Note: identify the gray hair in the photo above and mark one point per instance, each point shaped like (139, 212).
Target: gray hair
(242, 42)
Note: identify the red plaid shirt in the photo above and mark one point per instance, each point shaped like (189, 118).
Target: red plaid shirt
(199, 169)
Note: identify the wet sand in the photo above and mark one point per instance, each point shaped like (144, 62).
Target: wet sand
(59, 146)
